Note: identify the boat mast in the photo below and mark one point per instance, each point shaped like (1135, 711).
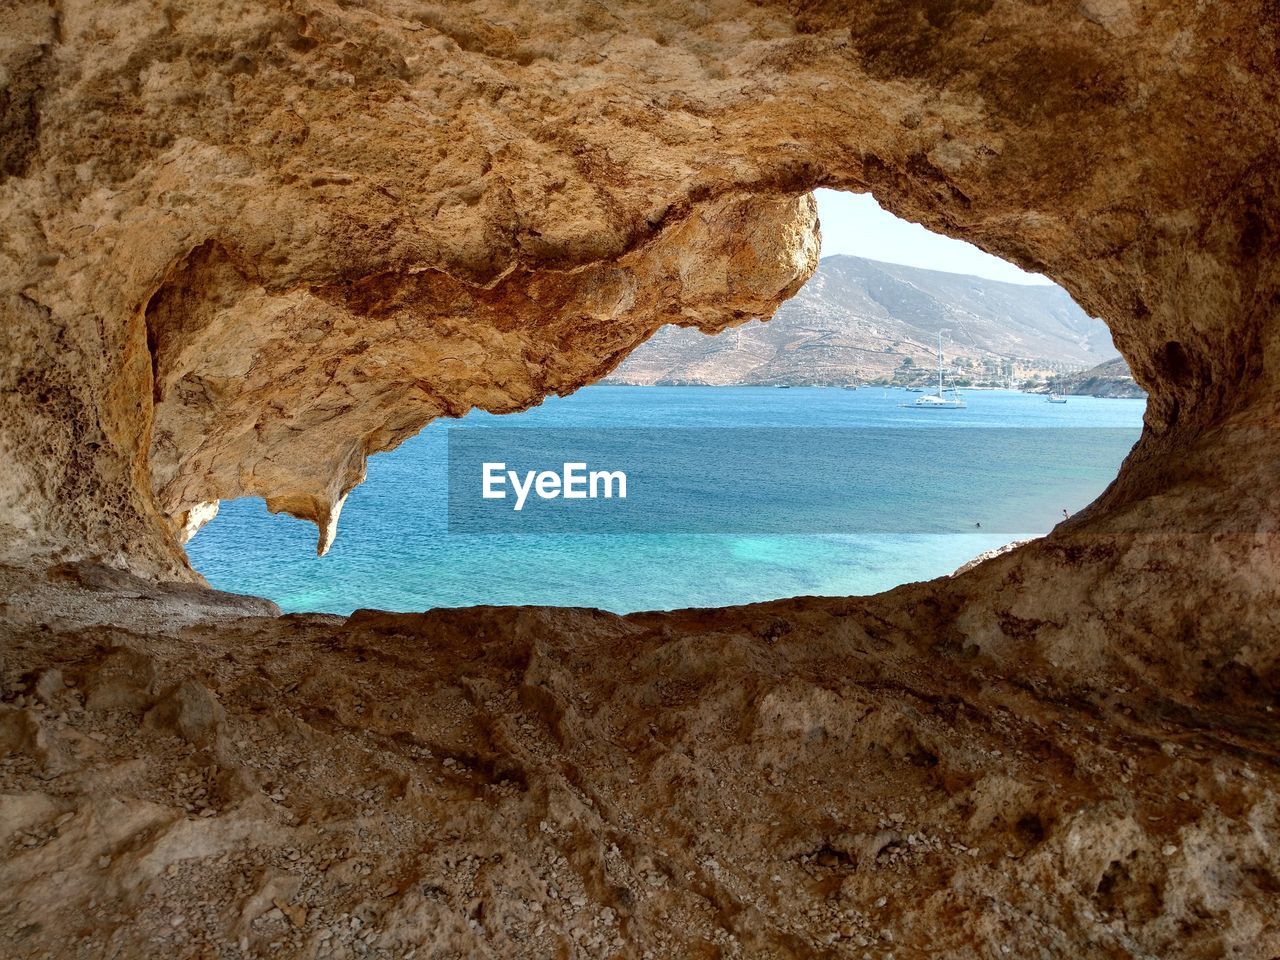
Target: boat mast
(939, 364)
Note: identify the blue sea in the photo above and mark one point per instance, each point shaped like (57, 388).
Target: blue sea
(395, 549)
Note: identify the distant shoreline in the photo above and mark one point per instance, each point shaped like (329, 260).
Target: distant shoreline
(860, 321)
(832, 386)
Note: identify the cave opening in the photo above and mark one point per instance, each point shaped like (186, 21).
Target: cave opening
(249, 246)
(894, 313)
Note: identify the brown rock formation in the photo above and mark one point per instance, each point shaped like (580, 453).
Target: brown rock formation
(243, 251)
(243, 247)
(798, 779)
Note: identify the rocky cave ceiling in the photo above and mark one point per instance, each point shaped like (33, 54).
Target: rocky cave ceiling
(246, 246)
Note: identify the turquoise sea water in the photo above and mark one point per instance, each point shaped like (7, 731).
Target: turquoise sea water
(394, 550)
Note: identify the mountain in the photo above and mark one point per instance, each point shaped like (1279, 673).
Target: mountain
(860, 320)
(1110, 379)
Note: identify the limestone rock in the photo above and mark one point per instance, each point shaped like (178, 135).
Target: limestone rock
(840, 787)
(244, 247)
(123, 680)
(189, 710)
(50, 687)
(271, 889)
(244, 251)
(988, 555)
(23, 733)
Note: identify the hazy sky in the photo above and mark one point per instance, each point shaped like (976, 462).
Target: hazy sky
(854, 223)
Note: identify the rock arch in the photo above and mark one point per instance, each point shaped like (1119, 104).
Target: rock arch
(242, 247)
(252, 251)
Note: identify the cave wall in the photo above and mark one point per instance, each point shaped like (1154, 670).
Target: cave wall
(245, 246)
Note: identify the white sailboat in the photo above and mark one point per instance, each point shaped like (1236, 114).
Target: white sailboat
(939, 400)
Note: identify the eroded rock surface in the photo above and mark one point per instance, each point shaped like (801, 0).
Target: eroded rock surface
(242, 247)
(799, 779)
(245, 247)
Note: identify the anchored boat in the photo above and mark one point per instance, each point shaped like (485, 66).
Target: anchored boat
(939, 400)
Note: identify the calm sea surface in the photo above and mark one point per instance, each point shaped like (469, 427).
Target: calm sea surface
(394, 550)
